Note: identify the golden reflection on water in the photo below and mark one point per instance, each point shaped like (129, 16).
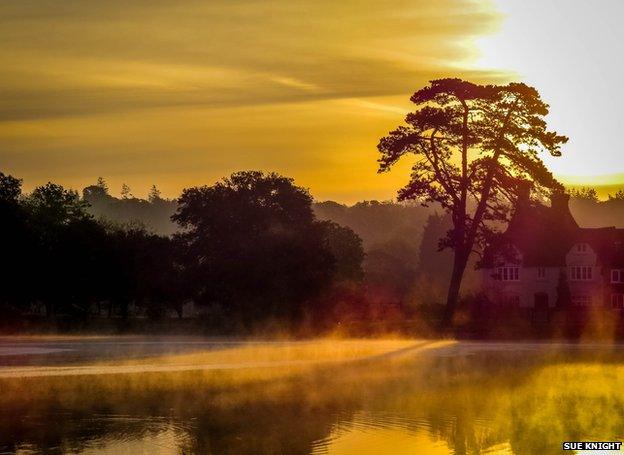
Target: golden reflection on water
(383, 440)
(159, 441)
(374, 397)
(368, 434)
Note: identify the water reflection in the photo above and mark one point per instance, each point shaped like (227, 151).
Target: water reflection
(382, 432)
(462, 402)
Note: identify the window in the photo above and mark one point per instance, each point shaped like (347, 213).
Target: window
(512, 301)
(581, 273)
(581, 300)
(541, 273)
(508, 273)
(617, 276)
(617, 300)
(581, 247)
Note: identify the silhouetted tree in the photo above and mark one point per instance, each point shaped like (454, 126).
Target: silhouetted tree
(619, 196)
(154, 194)
(61, 229)
(154, 214)
(346, 248)
(95, 195)
(143, 272)
(473, 144)
(126, 193)
(101, 183)
(344, 298)
(10, 189)
(585, 194)
(251, 245)
(53, 204)
(16, 245)
(80, 256)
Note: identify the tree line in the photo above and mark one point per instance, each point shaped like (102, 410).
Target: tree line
(239, 252)
(248, 249)
(402, 267)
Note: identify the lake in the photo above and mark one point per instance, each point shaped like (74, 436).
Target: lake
(130, 395)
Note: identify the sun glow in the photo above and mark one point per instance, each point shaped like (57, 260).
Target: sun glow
(566, 50)
(181, 100)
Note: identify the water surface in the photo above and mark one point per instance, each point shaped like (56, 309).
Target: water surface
(132, 396)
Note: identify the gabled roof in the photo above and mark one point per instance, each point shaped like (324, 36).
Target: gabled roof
(544, 235)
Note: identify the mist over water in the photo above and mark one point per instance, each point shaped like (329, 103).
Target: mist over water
(317, 397)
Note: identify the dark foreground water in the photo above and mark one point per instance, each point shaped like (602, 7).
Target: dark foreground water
(414, 397)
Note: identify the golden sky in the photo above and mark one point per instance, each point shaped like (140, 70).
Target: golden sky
(183, 93)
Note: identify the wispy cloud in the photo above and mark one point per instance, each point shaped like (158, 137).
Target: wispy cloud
(105, 78)
(296, 83)
(77, 57)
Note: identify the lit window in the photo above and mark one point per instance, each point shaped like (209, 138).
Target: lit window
(617, 276)
(581, 273)
(581, 300)
(541, 273)
(508, 273)
(617, 300)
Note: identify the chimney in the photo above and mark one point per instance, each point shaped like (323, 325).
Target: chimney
(559, 201)
(559, 206)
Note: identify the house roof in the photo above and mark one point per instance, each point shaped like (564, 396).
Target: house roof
(544, 235)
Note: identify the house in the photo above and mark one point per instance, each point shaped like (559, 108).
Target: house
(545, 261)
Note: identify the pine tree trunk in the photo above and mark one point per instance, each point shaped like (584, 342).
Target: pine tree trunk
(460, 259)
